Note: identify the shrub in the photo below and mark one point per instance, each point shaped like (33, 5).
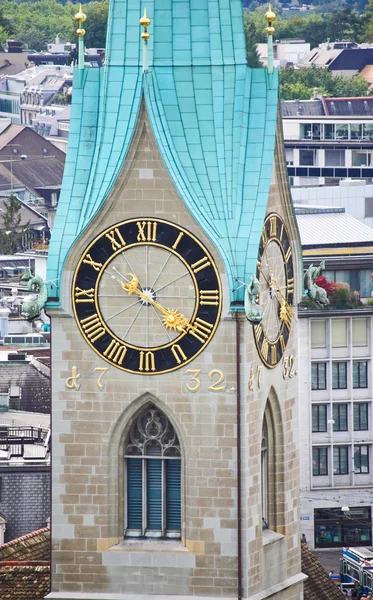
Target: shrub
(328, 286)
(342, 293)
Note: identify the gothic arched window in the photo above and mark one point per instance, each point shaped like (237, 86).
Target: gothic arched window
(153, 477)
(264, 476)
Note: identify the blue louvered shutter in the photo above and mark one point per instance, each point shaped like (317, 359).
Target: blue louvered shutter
(173, 495)
(134, 493)
(154, 494)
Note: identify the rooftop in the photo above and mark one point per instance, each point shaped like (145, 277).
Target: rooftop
(323, 226)
(34, 385)
(318, 586)
(24, 566)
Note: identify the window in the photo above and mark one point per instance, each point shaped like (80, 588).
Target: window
(153, 477)
(341, 131)
(334, 158)
(318, 376)
(340, 460)
(318, 334)
(340, 417)
(361, 459)
(359, 332)
(360, 374)
(361, 158)
(339, 371)
(264, 476)
(334, 528)
(319, 461)
(368, 207)
(329, 132)
(361, 416)
(356, 131)
(339, 333)
(365, 282)
(319, 412)
(289, 155)
(310, 131)
(308, 158)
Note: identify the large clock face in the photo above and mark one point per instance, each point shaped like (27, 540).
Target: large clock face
(147, 296)
(276, 277)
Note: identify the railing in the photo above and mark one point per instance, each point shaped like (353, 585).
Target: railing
(299, 138)
(14, 439)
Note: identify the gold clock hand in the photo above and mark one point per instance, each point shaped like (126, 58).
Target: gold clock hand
(172, 319)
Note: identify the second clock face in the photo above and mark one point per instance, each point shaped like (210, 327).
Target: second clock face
(147, 296)
(275, 273)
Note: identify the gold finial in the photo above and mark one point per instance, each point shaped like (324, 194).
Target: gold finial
(144, 21)
(270, 16)
(80, 17)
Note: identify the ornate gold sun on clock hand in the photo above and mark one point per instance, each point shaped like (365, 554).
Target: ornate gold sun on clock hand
(172, 319)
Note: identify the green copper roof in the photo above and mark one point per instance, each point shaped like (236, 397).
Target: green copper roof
(214, 120)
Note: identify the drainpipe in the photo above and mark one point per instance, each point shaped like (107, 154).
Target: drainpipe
(239, 506)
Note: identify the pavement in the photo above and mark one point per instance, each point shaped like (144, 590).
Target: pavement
(329, 558)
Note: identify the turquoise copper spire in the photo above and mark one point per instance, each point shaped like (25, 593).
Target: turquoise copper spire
(213, 117)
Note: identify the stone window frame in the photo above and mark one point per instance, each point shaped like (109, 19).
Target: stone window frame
(151, 438)
(273, 481)
(114, 532)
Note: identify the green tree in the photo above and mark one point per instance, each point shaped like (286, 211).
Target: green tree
(12, 231)
(251, 52)
(296, 83)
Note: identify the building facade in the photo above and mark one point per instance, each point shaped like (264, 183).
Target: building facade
(336, 473)
(327, 140)
(175, 448)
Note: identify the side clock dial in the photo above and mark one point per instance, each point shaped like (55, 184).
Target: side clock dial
(147, 296)
(275, 273)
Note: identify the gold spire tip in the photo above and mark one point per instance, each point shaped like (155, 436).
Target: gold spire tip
(270, 15)
(145, 21)
(80, 16)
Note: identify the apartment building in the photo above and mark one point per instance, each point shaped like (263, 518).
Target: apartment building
(328, 139)
(335, 385)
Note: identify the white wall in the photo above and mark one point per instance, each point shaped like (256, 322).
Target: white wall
(351, 197)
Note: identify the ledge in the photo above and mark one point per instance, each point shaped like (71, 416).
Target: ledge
(93, 596)
(269, 536)
(279, 587)
(148, 545)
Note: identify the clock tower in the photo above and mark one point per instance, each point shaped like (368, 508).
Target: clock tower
(175, 270)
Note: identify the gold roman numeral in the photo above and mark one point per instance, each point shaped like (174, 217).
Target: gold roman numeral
(264, 348)
(273, 226)
(281, 232)
(288, 254)
(264, 236)
(209, 297)
(201, 330)
(200, 264)
(258, 332)
(148, 359)
(89, 261)
(175, 245)
(147, 231)
(115, 352)
(116, 239)
(290, 285)
(93, 327)
(282, 343)
(273, 354)
(178, 353)
(84, 295)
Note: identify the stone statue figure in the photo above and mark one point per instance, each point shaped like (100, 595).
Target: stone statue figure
(254, 312)
(34, 303)
(316, 293)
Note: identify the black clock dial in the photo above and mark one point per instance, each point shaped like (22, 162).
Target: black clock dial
(147, 296)
(275, 273)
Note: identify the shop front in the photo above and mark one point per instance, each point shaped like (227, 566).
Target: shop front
(335, 528)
